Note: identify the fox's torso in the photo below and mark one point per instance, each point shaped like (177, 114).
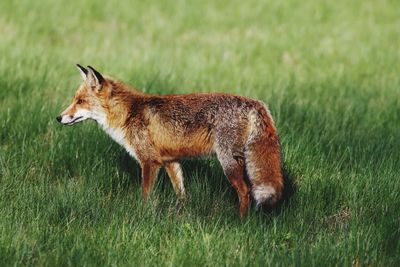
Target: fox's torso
(172, 127)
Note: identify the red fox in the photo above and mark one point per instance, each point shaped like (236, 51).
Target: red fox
(160, 130)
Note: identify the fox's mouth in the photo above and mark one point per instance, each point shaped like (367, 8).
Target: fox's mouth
(76, 120)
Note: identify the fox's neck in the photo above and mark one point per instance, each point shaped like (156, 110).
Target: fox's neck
(117, 111)
(114, 118)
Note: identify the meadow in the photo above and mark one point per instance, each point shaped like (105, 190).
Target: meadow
(328, 70)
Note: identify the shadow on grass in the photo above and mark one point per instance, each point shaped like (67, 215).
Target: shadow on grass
(203, 177)
(132, 170)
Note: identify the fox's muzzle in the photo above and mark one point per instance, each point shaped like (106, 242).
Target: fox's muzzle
(69, 120)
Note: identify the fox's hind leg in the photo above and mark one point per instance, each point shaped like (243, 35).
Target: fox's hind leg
(175, 174)
(234, 170)
(149, 175)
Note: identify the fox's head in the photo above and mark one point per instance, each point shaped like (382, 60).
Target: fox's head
(90, 99)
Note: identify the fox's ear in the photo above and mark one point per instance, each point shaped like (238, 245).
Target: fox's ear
(95, 78)
(83, 71)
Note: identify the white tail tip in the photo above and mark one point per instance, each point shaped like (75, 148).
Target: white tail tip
(264, 194)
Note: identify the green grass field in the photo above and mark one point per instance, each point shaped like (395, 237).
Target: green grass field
(329, 71)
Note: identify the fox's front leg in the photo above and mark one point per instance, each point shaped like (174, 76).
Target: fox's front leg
(149, 175)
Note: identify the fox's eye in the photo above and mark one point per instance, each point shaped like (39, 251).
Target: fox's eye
(79, 101)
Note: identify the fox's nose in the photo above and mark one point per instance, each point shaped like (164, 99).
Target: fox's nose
(59, 118)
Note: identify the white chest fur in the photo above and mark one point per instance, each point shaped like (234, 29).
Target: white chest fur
(119, 136)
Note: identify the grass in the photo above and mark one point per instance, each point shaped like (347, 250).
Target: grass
(329, 70)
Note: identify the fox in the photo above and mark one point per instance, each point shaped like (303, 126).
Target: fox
(162, 130)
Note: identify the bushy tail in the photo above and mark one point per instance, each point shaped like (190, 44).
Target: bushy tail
(263, 159)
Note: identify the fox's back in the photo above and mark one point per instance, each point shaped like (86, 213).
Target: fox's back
(189, 111)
